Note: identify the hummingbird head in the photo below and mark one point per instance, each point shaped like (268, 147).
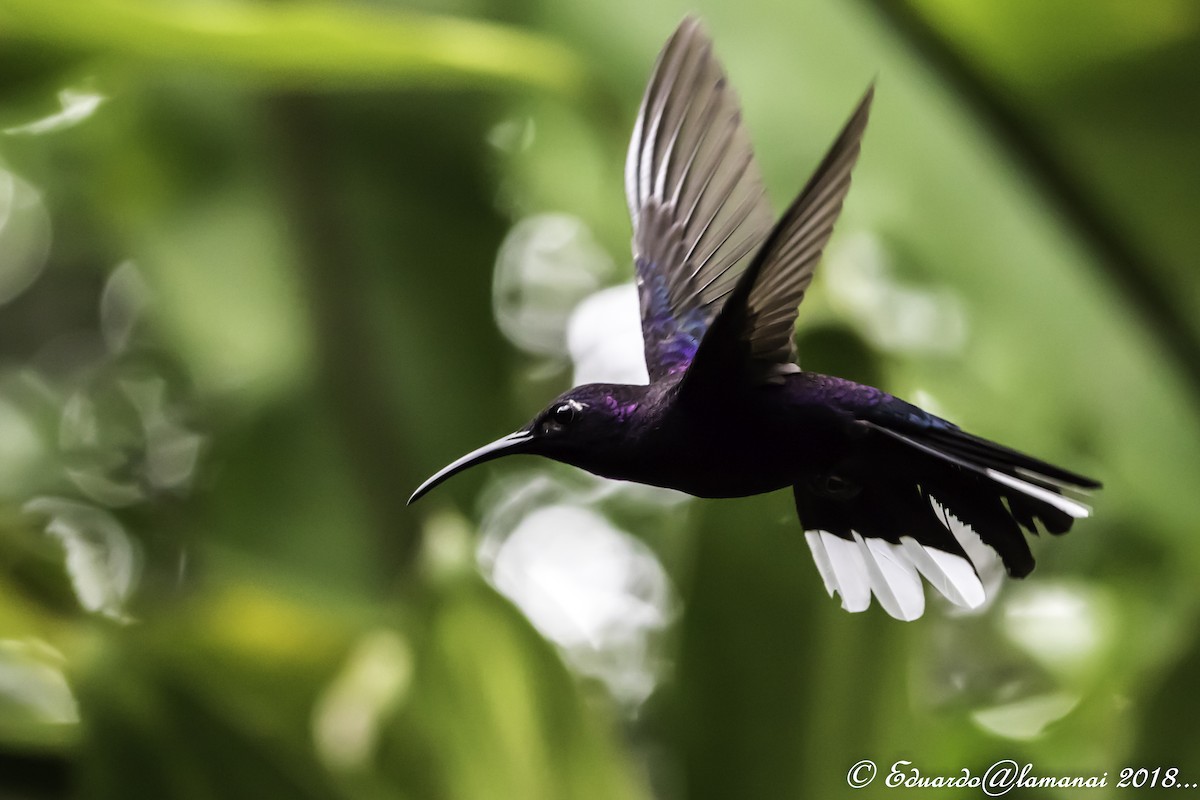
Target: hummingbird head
(587, 427)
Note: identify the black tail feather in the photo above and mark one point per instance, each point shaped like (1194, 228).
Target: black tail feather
(924, 498)
(974, 502)
(1029, 485)
(977, 450)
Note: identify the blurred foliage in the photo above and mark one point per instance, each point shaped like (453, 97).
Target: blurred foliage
(245, 268)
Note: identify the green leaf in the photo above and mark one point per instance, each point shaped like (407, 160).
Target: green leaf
(304, 44)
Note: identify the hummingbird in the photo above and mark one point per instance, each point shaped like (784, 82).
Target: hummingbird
(886, 492)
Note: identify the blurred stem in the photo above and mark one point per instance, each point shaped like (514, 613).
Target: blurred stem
(347, 376)
(302, 44)
(1123, 261)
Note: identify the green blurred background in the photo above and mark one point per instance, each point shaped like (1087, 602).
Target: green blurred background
(264, 266)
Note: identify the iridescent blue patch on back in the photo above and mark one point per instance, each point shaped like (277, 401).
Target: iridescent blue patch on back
(671, 336)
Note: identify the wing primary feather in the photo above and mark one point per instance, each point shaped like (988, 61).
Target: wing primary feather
(708, 116)
(669, 78)
(688, 83)
(726, 137)
(820, 221)
(788, 259)
(643, 142)
(660, 182)
(719, 272)
(633, 161)
(695, 196)
(728, 229)
(698, 292)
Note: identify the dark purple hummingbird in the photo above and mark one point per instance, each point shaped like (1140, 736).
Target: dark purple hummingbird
(886, 492)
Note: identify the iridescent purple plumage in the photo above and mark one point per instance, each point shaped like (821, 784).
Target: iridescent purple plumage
(670, 338)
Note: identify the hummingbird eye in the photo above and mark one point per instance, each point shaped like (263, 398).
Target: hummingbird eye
(565, 414)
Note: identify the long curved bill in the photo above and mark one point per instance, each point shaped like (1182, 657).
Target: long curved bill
(501, 447)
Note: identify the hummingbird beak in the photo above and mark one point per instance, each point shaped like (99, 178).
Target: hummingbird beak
(513, 443)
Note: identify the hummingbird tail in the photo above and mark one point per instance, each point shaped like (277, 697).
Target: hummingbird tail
(942, 508)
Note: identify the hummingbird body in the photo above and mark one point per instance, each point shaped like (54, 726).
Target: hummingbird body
(888, 494)
(750, 440)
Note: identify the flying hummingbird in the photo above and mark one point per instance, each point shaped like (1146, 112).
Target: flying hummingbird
(886, 492)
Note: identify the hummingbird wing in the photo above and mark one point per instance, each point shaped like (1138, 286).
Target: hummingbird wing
(755, 329)
(695, 196)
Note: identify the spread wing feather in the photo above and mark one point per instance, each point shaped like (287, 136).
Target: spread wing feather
(789, 258)
(695, 196)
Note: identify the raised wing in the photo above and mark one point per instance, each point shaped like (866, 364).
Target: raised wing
(695, 196)
(754, 331)
(788, 260)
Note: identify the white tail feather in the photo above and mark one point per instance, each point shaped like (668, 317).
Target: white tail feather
(856, 568)
(894, 579)
(1063, 504)
(950, 574)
